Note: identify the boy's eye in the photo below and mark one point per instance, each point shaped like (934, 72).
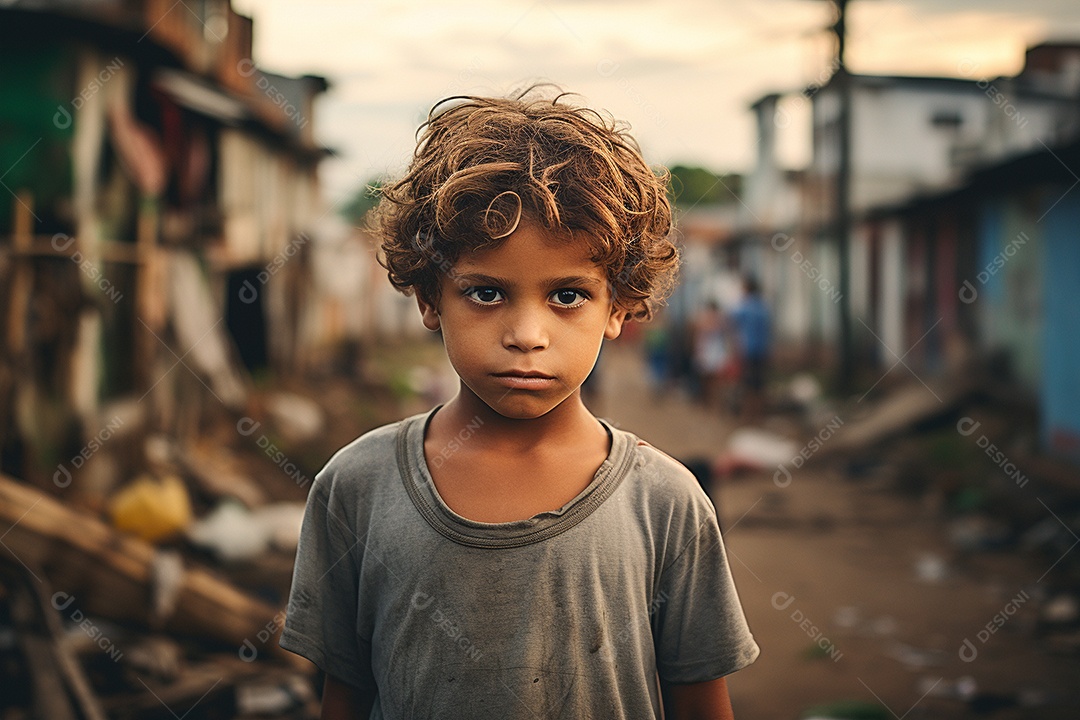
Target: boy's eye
(569, 298)
(484, 295)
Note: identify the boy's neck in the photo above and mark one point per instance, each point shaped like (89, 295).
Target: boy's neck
(567, 421)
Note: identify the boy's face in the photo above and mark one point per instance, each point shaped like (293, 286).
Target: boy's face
(523, 322)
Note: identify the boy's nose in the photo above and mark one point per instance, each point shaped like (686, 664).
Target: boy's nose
(525, 331)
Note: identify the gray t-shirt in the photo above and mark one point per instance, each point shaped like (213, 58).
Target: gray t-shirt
(568, 614)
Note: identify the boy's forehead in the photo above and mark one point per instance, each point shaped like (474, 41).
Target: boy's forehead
(533, 250)
(530, 256)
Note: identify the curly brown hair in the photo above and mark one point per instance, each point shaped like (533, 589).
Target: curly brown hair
(481, 164)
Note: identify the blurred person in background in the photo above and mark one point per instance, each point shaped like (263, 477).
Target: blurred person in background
(751, 320)
(715, 362)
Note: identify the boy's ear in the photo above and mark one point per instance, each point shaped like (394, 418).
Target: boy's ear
(429, 313)
(615, 322)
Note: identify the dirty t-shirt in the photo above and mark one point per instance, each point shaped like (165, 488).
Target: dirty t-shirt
(568, 614)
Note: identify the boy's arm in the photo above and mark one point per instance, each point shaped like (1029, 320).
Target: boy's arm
(342, 701)
(696, 701)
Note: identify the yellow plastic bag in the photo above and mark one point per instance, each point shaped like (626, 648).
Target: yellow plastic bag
(152, 509)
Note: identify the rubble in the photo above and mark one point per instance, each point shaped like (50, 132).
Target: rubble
(111, 573)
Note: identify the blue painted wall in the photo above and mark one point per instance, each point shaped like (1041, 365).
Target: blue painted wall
(1010, 284)
(1060, 390)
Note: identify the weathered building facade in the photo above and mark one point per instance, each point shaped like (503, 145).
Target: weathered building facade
(159, 195)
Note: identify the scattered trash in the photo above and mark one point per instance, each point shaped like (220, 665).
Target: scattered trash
(151, 509)
(753, 449)
(846, 617)
(883, 626)
(931, 568)
(851, 618)
(282, 522)
(270, 699)
(155, 656)
(232, 532)
(914, 658)
(804, 388)
(166, 578)
(963, 688)
(298, 418)
(1061, 610)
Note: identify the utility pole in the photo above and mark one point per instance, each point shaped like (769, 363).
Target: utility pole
(841, 81)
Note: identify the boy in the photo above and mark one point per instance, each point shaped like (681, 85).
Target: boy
(507, 554)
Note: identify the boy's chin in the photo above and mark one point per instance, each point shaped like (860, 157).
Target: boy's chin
(524, 408)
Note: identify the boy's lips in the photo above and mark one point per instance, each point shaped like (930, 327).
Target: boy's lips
(524, 379)
(524, 374)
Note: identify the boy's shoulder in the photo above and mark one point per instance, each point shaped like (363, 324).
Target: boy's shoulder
(664, 483)
(657, 457)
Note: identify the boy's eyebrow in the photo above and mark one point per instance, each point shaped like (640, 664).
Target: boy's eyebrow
(568, 281)
(572, 280)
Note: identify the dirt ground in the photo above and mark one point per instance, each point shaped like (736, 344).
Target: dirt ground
(855, 592)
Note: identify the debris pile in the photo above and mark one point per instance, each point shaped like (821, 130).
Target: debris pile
(166, 595)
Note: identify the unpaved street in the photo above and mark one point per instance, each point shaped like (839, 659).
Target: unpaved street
(855, 592)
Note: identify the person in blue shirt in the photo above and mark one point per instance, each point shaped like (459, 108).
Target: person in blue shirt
(751, 319)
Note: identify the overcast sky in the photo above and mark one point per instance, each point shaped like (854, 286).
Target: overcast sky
(681, 72)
